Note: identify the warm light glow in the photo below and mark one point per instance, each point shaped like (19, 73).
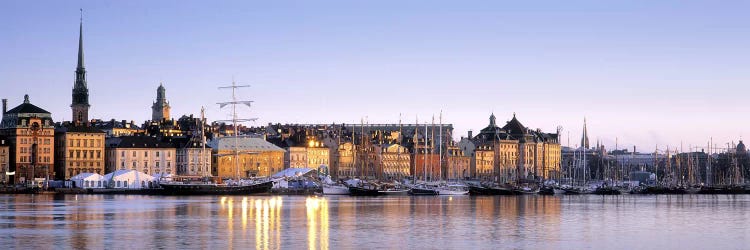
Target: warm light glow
(317, 212)
(244, 214)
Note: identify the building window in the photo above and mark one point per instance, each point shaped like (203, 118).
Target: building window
(157, 153)
(133, 153)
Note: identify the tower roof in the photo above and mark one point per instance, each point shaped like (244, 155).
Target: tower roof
(80, 45)
(514, 126)
(27, 107)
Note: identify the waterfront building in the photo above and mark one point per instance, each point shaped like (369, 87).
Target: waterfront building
(78, 149)
(192, 157)
(30, 131)
(4, 159)
(257, 157)
(456, 164)
(514, 152)
(160, 109)
(141, 153)
(80, 105)
(346, 157)
(395, 162)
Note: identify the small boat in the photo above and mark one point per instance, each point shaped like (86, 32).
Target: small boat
(525, 190)
(453, 189)
(364, 189)
(486, 190)
(547, 190)
(577, 190)
(607, 190)
(423, 190)
(335, 190)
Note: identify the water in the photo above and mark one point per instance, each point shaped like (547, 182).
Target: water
(298, 222)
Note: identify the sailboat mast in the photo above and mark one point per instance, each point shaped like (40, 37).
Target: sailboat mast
(440, 150)
(203, 142)
(424, 169)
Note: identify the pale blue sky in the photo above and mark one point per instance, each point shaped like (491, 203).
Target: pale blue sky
(650, 73)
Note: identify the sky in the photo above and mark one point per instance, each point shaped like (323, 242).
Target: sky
(642, 73)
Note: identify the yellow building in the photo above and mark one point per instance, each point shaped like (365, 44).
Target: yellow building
(32, 138)
(395, 162)
(317, 154)
(297, 157)
(78, 149)
(519, 152)
(346, 159)
(257, 157)
(485, 162)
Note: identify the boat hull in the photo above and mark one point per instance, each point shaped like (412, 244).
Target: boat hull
(473, 190)
(211, 189)
(394, 192)
(423, 191)
(358, 191)
(332, 190)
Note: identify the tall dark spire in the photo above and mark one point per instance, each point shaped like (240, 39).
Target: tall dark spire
(585, 136)
(80, 45)
(80, 105)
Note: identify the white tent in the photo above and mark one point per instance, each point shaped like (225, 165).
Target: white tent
(88, 180)
(129, 179)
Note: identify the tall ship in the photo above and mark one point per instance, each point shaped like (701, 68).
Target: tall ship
(212, 185)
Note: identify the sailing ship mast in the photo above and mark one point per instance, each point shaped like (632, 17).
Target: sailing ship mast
(235, 120)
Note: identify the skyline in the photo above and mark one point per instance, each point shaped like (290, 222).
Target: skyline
(468, 61)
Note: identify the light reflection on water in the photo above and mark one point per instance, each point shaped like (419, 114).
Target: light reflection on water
(296, 222)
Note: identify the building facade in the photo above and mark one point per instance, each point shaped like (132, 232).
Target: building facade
(395, 162)
(31, 134)
(78, 149)
(193, 158)
(142, 153)
(257, 157)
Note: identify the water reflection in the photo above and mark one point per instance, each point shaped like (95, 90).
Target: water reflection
(294, 222)
(267, 213)
(317, 214)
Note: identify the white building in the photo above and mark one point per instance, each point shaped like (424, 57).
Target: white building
(141, 153)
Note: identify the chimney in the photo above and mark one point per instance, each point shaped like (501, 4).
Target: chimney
(470, 133)
(5, 105)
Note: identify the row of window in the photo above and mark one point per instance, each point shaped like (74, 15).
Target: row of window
(80, 164)
(145, 153)
(86, 154)
(145, 164)
(45, 159)
(86, 142)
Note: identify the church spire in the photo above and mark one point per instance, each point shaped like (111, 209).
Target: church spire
(80, 105)
(585, 137)
(80, 45)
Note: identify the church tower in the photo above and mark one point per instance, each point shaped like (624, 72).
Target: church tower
(80, 105)
(160, 109)
(585, 137)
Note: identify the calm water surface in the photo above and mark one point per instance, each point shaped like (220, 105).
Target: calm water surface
(342, 222)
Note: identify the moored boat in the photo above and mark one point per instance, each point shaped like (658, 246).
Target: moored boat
(335, 190)
(453, 189)
(214, 189)
(364, 190)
